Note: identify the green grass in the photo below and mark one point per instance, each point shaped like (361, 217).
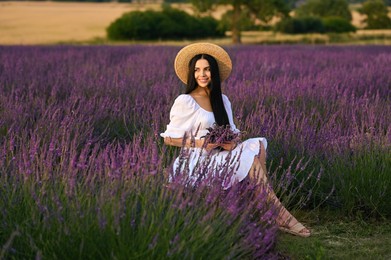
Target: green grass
(337, 237)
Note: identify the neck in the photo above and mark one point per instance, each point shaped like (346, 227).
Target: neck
(202, 91)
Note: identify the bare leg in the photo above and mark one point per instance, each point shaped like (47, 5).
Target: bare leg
(286, 221)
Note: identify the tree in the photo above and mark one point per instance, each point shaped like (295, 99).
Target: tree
(264, 10)
(325, 8)
(246, 21)
(377, 14)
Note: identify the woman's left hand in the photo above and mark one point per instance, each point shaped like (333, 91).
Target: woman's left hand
(228, 146)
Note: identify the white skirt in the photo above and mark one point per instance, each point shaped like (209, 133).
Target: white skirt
(236, 163)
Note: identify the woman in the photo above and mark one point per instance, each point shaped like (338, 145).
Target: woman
(202, 67)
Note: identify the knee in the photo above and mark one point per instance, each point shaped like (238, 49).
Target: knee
(256, 161)
(262, 154)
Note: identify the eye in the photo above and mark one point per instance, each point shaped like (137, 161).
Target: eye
(207, 69)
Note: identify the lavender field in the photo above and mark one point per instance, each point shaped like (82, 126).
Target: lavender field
(83, 171)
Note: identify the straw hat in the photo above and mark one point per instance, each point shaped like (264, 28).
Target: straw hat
(184, 56)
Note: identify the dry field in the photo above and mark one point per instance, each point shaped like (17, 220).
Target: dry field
(54, 22)
(61, 22)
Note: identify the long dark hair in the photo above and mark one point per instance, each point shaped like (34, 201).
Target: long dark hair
(216, 99)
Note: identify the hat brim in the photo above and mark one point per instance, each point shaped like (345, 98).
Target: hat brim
(181, 63)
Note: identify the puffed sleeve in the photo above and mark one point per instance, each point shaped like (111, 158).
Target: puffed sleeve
(182, 117)
(228, 108)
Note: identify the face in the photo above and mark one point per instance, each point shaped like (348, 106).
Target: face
(202, 73)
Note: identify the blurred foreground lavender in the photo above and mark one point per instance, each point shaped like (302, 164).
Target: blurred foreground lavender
(79, 144)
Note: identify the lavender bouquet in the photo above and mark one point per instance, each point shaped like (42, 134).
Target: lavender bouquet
(221, 135)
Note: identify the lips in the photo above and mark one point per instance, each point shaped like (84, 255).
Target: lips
(203, 80)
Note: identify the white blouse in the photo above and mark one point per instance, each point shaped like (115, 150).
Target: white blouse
(186, 116)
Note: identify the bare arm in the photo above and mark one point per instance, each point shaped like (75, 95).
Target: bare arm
(199, 143)
(229, 146)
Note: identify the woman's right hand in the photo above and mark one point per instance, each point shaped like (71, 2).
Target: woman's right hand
(229, 146)
(209, 146)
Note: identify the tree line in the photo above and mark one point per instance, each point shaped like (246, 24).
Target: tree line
(308, 16)
(308, 13)
(311, 16)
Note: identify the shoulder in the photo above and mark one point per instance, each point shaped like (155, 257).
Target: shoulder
(183, 102)
(183, 98)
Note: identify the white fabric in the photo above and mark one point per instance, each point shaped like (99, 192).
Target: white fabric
(187, 117)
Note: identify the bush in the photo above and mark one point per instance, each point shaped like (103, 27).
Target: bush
(210, 27)
(134, 25)
(314, 25)
(300, 25)
(337, 25)
(325, 8)
(377, 14)
(359, 190)
(167, 24)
